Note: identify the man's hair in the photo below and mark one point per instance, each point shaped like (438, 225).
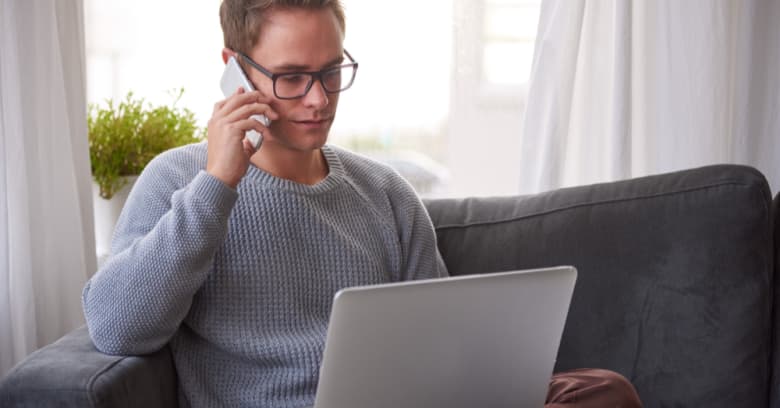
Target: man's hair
(242, 19)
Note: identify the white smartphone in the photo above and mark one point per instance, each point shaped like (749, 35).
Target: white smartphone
(232, 78)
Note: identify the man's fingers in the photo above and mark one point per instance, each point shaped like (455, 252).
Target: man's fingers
(241, 98)
(251, 124)
(249, 149)
(218, 106)
(249, 109)
(239, 128)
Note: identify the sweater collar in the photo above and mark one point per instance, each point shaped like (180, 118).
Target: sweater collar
(335, 176)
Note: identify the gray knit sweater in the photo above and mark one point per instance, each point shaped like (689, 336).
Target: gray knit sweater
(240, 282)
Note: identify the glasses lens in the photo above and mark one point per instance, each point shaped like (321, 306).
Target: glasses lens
(292, 85)
(338, 78)
(295, 85)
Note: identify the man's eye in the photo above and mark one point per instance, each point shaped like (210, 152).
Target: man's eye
(293, 79)
(334, 73)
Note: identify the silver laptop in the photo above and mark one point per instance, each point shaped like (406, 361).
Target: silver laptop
(471, 341)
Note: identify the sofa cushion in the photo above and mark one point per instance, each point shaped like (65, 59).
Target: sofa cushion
(675, 278)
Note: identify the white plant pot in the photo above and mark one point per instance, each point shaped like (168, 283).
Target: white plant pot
(106, 213)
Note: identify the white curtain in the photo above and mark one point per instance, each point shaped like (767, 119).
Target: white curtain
(46, 237)
(625, 88)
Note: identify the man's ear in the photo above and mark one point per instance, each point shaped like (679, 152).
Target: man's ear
(227, 53)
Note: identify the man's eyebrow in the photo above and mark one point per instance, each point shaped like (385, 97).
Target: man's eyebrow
(298, 67)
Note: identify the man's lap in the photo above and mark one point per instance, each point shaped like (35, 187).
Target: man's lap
(585, 388)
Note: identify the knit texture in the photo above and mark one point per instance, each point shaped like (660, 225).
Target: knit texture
(240, 282)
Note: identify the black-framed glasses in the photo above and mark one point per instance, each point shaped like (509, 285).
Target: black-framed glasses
(294, 85)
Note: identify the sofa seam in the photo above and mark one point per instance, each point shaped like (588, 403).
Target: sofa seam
(588, 204)
(94, 378)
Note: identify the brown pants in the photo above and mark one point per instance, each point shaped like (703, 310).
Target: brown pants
(591, 388)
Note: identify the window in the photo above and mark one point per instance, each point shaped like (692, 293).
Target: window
(438, 95)
(508, 35)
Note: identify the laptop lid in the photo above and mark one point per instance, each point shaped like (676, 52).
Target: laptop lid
(481, 340)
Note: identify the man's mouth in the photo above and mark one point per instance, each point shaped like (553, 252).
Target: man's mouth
(313, 120)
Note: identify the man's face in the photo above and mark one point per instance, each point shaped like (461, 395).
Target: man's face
(297, 40)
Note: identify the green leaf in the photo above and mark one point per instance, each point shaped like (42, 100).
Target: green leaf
(125, 136)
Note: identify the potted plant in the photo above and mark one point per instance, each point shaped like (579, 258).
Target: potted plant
(123, 138)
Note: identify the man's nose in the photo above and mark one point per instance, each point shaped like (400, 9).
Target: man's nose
(316, 97)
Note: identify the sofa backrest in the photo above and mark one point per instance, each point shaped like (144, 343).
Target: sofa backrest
(675, 276)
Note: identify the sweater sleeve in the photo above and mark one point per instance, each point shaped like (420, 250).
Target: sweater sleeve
(421, 257)
(162, 251)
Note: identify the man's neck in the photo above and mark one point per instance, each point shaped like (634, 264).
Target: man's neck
(304, 167)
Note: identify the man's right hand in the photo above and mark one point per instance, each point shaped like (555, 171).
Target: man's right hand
(228, 151)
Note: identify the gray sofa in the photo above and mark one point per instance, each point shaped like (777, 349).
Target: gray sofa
(675, 291)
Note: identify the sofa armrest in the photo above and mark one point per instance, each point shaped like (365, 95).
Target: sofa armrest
(72, 373)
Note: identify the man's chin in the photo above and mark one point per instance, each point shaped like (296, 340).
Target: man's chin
(305, 142)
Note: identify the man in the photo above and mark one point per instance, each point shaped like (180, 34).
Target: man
(233, 255)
